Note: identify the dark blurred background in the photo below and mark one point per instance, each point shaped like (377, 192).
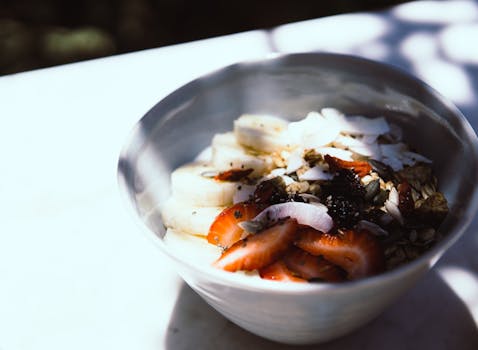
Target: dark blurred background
(43, 33)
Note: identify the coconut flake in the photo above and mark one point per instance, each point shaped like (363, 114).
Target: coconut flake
(392, 150)
(343, 141)
(393, 196)
(392, 155)
(393, 210)
(277, 172)
(313, 131)
(396, 132)
(370, 139)
(251, 226)
(287, 180)
(394, 163)
(416, 157)
(314, 215)
(358, 125)
(316, 173)
(391, 205)
(310, 198)
(357, 145)
(295, 161)
(332, 113)
(397, 155)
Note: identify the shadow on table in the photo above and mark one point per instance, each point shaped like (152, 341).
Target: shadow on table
(429, 316)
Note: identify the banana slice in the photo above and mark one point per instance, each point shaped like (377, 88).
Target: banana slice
(263, 133)
(205, 155)
(187, 218)
(227, 153)
(193, 184)
(193, 249)
(227, 139)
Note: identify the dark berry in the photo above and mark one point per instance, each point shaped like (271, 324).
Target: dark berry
(345, 183)
(344, 211)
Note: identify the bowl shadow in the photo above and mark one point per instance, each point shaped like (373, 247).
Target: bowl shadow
(430, 315)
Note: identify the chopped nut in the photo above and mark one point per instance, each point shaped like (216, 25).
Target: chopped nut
(415, 195)
(399, 257)
(314, 188)
(298, 187)
(419, 173)
(427, 191)
(433, 209)
(302, 170)
(312, 157)
(411, 252)
(389, 185)
(427, 235)
(390, 250)
(278, 160)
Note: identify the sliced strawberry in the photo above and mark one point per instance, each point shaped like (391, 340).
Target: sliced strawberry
(358, 253)
(260, 249)
(224, 231)
(233, 174)
(361, 168)
(308, 266)
(278, 271)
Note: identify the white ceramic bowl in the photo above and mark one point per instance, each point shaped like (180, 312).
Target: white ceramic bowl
(183, 123)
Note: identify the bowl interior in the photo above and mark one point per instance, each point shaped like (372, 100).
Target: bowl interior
(175, 130)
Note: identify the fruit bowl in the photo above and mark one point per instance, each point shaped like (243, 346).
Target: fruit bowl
(176, 129)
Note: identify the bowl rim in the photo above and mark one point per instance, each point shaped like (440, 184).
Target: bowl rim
(428, 259)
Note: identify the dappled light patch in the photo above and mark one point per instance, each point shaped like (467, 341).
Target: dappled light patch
(459, 43)
(465, 285)
(437, 12)
(448, 78)
(419, 46)
(376, 50)
(354, 30)
(423, 52)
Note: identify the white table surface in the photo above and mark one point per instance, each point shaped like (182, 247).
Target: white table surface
(75, 270)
